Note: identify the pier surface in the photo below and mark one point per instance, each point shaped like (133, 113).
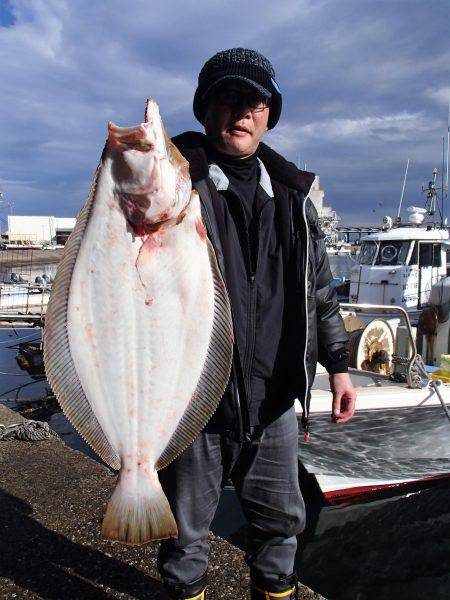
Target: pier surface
(52, 501)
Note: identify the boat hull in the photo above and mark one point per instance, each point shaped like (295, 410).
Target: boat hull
(379, 448)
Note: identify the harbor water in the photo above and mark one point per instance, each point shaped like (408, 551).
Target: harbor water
(391, 547)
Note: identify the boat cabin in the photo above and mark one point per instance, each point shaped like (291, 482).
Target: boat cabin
(400, 266)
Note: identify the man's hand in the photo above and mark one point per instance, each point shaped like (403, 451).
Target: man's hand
(344, 397)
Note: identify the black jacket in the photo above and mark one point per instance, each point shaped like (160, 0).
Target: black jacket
(318, 333)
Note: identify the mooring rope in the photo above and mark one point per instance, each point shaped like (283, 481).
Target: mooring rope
(27, 431)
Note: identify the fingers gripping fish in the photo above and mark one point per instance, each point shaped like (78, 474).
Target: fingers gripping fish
(138, 335)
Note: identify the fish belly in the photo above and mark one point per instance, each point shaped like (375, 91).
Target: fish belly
(139, 318)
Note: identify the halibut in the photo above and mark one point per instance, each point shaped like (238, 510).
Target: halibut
(138, 334)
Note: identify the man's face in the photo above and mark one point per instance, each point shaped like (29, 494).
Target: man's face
(236, 119)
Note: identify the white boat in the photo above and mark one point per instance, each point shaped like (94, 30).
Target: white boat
(401, 264)
(339, 249)
(400, 433)
(24, 298)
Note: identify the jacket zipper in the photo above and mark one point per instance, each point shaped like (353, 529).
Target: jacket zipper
(251, 325)
(251, 333)
(305, 409)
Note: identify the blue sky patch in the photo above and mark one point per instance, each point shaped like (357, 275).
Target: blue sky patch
(365, 88)
(7, 18)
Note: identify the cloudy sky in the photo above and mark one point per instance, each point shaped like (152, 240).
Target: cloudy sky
(365, 83)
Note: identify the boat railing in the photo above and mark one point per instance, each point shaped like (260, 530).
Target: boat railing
(24, 298)
(411, 361)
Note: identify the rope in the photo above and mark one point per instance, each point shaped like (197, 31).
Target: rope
(435, 385)
(27, 431)
(24, 337)
(14, 374)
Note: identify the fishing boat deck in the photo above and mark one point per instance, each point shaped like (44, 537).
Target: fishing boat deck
(359, 379)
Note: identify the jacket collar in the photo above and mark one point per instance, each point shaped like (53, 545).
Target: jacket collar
(222, 183)
(192, 146)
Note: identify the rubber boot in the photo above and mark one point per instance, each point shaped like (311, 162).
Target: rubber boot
(200, 596)
(196, 590)
(287, 588)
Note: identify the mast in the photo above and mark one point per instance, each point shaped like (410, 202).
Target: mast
(403, 191)
(448, 136)
(442, 183)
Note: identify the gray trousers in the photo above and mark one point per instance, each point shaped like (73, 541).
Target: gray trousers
(265, 476)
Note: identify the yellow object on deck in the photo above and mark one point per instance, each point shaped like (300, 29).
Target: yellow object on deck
(441, 374)
(445, 363)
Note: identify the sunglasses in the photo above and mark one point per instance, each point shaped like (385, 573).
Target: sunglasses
(237, 98)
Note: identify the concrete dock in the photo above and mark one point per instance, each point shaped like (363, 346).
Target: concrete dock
(52, 501)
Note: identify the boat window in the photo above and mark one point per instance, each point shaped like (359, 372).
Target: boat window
(437, 254)
(367, 254)
(425, 255)
(393, 252)
(414, 260)
(430, 255)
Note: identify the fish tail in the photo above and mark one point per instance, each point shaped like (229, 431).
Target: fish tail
(135, 519)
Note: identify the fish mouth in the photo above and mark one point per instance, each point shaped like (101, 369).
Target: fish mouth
(143, 145)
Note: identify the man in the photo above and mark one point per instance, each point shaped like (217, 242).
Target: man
(285, 314)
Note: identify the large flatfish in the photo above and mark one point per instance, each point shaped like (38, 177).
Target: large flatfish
(138, 333)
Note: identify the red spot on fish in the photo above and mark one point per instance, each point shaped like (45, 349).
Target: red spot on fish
(139, 463)
(163, 216)
(89, 327)
(77, 308)
(128, 470)
(151, 245)
(200, 230)
(149, 301)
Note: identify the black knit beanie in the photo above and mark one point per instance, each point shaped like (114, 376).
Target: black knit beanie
(245, 65)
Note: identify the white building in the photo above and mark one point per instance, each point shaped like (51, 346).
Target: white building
(38, 230)
(328, 218)
(316, 194)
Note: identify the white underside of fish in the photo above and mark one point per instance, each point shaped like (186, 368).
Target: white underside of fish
(137, 347)
(142, 313)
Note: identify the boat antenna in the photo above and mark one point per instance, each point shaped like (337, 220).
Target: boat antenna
(448, 138)
(432, 196)
(442, 182)
(403, 191)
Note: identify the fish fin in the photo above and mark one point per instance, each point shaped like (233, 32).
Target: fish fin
(59, 366)
(135, 519)
(215, 374)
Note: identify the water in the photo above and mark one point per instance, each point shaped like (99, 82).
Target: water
(395, 547)
(16, 384)
(341, 265)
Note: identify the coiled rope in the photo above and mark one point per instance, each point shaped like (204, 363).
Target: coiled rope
(27, 431)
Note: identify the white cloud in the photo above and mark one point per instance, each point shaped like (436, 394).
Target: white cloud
(440, 94)
(401, 127)
(388, 128)
(359, 86)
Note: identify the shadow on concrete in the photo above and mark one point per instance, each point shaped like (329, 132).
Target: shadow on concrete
(52, 566)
